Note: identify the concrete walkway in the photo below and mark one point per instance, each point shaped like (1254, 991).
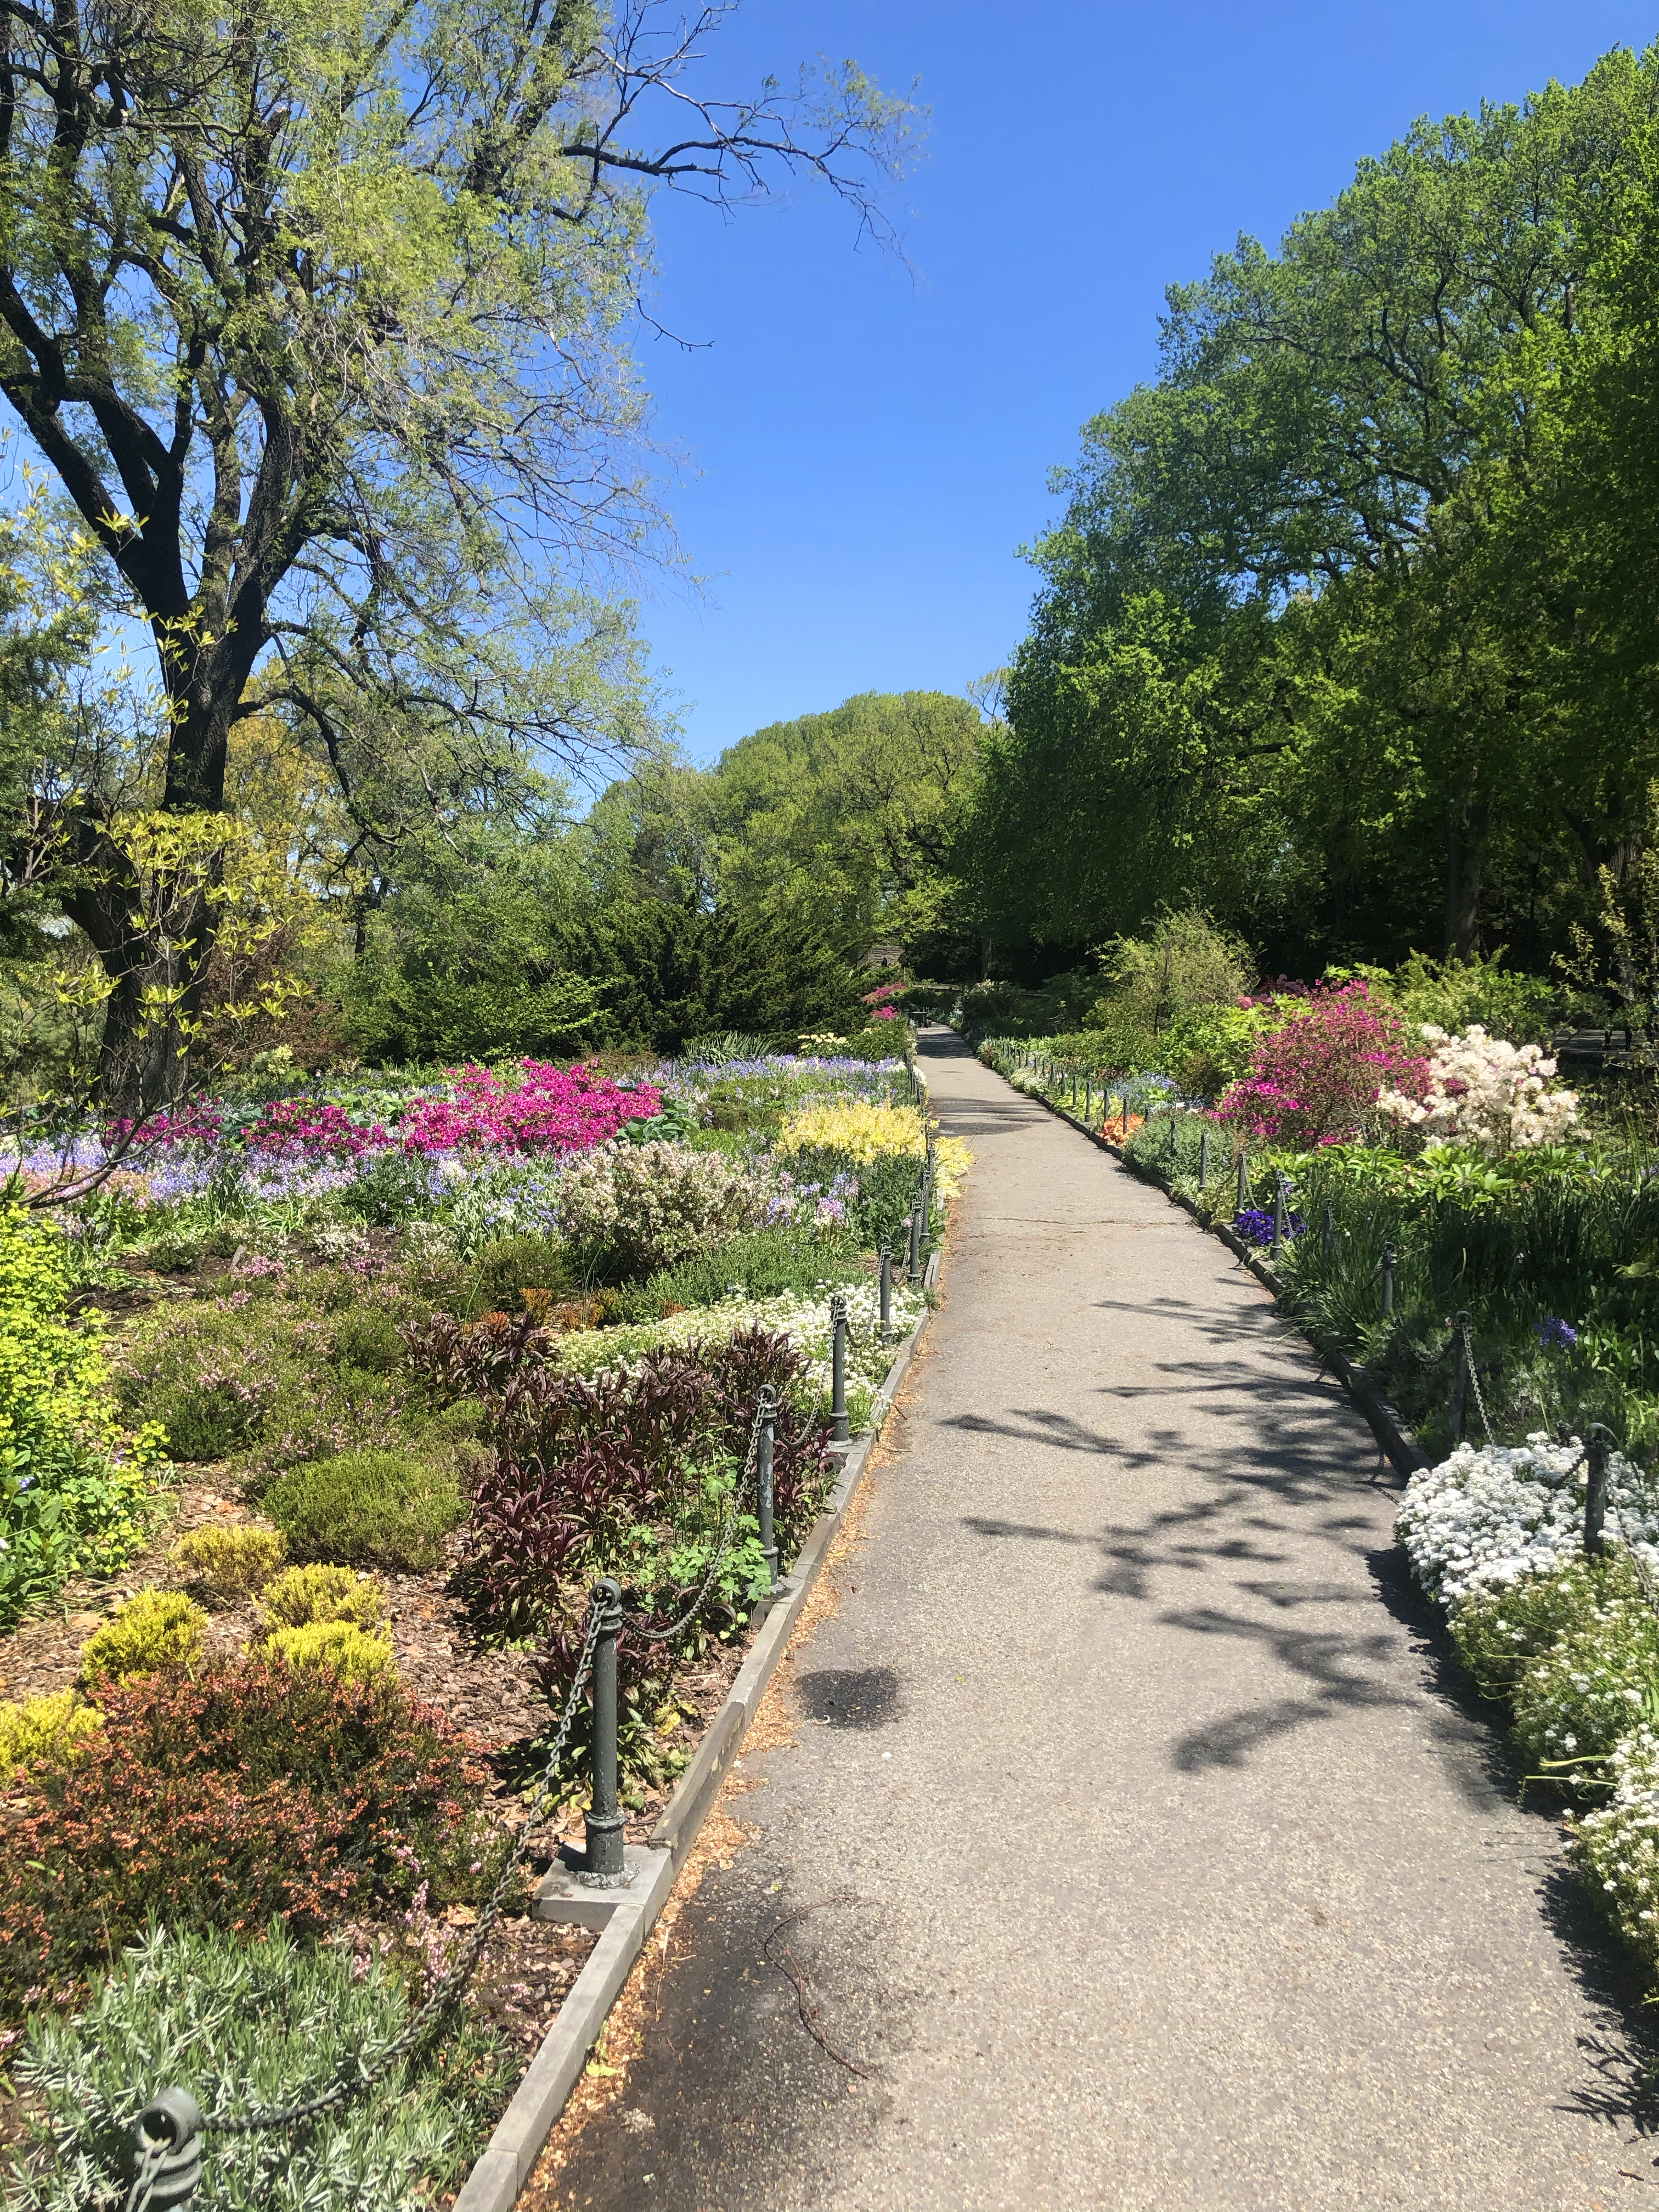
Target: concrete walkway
(1140, 1858)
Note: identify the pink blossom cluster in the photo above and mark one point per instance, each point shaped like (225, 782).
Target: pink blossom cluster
(549, 1109)
(197, 1123)
(1317, 1078)
(299, 1128)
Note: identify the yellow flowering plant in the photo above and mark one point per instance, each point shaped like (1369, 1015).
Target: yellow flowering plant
(867, 1132)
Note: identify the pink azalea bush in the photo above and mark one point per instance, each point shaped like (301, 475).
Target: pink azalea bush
(299, 1128)
(1316, 1078)
(547, 1109)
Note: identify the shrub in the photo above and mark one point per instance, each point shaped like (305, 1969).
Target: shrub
(1500, 1631)
(215, 1801)
(854, 1126)
(1487, 1517)
(154, 1629)
(647, 1205)
(1480, 1090)
(762, 1265)
(51, 1728)
(273, 2022)
(367, 1337)
(389, 1190)
(367, 1509)
(587, 1475)
(339, 1645)
(74, 1485)
(1616, 1845)
(211, 1396)
(1317, 1077)
(506, 1268)
(1592, 1686)
(307, 1595)
(547, 1109)
(230, 1560)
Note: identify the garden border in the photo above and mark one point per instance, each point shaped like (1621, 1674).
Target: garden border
(503, 2166)
(1395, 1440)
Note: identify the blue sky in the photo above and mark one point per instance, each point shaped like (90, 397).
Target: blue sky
(866, 450)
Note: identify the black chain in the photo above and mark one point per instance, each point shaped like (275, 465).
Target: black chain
(455, 1977)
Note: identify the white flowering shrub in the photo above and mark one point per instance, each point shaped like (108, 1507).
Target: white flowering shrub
(650, 1204)
(1485, 1092)
(1491, 1515)
(1500, 1629)
(1585, 1694)
(1616, 1847)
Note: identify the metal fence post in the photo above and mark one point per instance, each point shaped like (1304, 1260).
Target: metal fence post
(1595, 1489)
(167, 2150)
(1243, 1182)
(915, 1241)
(1389, 1259)
(1278, 1210)
(1327, 1235)
(1459, 1374)
(603, 1860)
(886, 1291)
(765, 1446)
(840, 1433)
(1204, 1156)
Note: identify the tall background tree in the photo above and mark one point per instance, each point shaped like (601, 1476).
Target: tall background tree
(1342, 633)
(316, 313)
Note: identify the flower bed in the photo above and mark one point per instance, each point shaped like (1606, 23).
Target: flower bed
(443, 1354)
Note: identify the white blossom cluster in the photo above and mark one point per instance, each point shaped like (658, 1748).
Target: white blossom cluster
(1484, 1090)
(1489, 1515)
(1580, 1699)
(1616, 1845)
(656, 1203)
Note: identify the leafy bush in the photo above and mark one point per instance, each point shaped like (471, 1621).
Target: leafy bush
(1499, 1631)
(389, 1190)
(612, 1476)
(74, 1485)
(647, 1205)
(274, 2022)
(154, 1629)
(212, 1398)
(308, 1595)
(340, 1646)
(230, 1560)
(855, 1127)
(1316, 1076)
(52, 1728)
(762, 1264)
(1616, 1845)
(1592, 1686)
(365, 1509)
(217, 1800)
(506, 1268)
(367, 1338)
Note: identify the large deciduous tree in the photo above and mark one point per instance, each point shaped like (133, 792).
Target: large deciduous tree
(315, 308)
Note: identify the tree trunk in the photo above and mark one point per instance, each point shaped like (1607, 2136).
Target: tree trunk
(1467, 829)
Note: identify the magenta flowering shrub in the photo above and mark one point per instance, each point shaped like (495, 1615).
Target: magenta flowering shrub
(549, 1109)
(197, 1123)
(1317, 1078)
(299, 1128)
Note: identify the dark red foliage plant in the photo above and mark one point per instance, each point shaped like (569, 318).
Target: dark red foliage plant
(577, 1463)
(217, 1801)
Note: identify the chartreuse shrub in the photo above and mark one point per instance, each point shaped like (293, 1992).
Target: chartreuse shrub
(268, 2023)
(338, 1645)
(74, 1484)
(216, 1800)
(230, 1560)
(305, 1595)
(367, 1509)
(154, 1629)
(50, 1728)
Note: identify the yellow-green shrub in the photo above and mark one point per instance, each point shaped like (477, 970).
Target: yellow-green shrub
(864, 1133)
(73, 1483)
(230, 1560)
(48, 1727)
(339, 1645)
(155, 1629)
(307, 1595)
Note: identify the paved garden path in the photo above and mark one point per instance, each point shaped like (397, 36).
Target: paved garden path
(1131, 1842)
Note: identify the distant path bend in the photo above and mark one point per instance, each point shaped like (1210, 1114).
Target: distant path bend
(1127, 1843)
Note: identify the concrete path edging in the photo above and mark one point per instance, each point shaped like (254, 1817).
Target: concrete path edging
(1395, 1440)
(504, 2165)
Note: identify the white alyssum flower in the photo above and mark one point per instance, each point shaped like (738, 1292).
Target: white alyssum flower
(1489, 1515)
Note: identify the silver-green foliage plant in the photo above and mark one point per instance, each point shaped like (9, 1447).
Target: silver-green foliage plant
(246, 2026)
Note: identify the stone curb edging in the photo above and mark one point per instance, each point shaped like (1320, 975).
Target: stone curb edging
(1397, 1444)
(503, 2166)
